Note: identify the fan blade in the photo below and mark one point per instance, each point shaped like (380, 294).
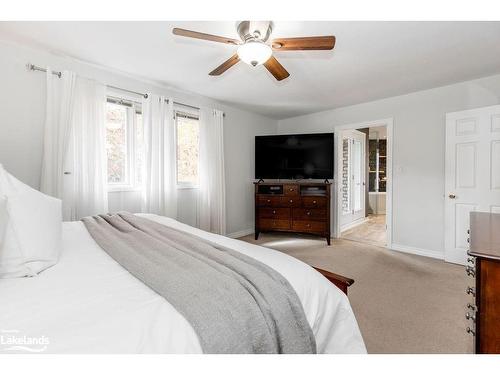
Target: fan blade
(197, 35)
(307, 43)
(225, 66)
(276, 69)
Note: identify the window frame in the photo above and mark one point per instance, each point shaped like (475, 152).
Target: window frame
(133, 108)
(193, 114)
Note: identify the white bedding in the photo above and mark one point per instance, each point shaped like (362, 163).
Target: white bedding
(87, 303)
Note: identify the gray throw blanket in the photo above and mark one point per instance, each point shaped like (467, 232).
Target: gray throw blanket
(235, 303)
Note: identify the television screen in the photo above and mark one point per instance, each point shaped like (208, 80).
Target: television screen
(296, 156)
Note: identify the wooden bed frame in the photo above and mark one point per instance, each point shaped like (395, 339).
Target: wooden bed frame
(341, 282)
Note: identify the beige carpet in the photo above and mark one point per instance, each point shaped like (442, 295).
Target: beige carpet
(403, 303)
(371, 231)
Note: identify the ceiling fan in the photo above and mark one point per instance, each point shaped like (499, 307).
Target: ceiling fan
(254, 48)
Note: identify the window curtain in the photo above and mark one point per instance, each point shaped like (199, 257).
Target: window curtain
(212, 186)
(160, 185)
(60, 95)
(74, 155)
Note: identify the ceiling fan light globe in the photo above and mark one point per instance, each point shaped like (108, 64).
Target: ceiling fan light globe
(254, 52)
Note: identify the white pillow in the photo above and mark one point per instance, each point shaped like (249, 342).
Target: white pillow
(3, 218)
(31, 223)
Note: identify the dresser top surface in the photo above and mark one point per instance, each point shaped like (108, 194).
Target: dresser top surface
(304, 183)
(485, 235)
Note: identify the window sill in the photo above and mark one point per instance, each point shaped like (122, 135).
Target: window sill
(187, 187)
(123, 189)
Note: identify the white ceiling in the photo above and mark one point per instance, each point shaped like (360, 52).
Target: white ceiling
(371, 60)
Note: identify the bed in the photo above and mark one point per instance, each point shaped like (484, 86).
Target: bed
(88, 303)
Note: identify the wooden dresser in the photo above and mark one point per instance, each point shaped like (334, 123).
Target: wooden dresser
(293, 207)
(484, 267)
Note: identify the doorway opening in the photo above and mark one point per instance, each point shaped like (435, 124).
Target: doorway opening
(364, 194)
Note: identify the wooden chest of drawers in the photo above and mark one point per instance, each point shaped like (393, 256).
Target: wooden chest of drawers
(484, 267)
(293, 207)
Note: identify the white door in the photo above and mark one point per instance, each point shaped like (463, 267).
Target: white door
(472, 173)
(353, 175)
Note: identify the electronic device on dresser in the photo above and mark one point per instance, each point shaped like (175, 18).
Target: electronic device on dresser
(300, 207)
(484, 260)
(294, 156)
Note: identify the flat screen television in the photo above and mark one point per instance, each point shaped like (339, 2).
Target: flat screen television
(295, 156)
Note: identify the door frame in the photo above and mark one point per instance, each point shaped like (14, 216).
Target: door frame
(342, 216)
(388, 122)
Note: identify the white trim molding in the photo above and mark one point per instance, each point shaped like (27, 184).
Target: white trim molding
(353, 224)
(417, 251)
(241, 233)
(336, 198)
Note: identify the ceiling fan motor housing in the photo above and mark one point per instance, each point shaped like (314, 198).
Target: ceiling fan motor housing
(254, 30)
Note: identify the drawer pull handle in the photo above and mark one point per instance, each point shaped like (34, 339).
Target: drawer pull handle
(470, 271)
(291, 189)
(308, 213)
(470, 290)
(291, 200)
(314, 202)
(470, 316)
(470, 260)
(268, 201)
(308, 225)
(471, 307)
(470, 331)
(274, 211)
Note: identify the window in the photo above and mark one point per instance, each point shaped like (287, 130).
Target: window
(124, 144)
(188, 144)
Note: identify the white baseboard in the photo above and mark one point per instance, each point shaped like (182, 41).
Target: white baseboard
(353, 224)
(240, 233)
(457, 257)
(417, 251)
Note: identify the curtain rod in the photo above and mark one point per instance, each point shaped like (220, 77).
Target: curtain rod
(37, 68)
(59, 74)
(192, 106)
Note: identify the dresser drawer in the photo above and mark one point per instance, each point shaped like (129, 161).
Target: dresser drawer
(309, 226)
(268, 201)
(318, 214)
(270, 224)
(274, 213)
(312, 202)
(290, 201)
(290, 189)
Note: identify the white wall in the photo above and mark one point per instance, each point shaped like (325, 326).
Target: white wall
(22, 107)
(418, 153)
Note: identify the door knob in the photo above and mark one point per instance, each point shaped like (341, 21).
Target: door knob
(452, 196)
